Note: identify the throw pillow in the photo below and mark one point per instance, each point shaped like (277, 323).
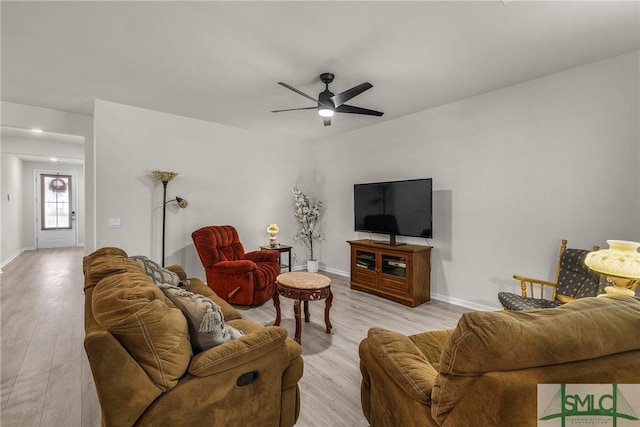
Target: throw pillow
(206, 322)
(156, 272)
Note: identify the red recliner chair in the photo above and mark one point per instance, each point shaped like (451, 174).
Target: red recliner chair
(237, 277)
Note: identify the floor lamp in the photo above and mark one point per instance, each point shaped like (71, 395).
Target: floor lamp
(165, 177)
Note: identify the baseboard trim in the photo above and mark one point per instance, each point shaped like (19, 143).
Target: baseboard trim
(334, 271)
(438, 297)
(11, 258)
(463, 303)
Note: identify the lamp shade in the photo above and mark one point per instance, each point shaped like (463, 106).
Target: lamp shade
(273, 228)
(164, 176)
(183, 203)
(620, 260)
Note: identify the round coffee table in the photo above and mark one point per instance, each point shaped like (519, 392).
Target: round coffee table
(303, 286)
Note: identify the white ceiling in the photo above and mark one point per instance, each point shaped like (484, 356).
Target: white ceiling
(24, 144)
(220, 61)
(14, 132)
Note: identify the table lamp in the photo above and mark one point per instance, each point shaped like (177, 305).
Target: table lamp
(620, 263)
(272, 229)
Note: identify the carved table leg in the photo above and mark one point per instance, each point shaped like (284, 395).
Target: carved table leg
(276, 303)
(296, 314)
(327, 307)
(307, 315)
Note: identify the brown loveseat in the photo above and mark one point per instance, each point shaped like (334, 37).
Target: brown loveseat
(144, 368)
(485, 372)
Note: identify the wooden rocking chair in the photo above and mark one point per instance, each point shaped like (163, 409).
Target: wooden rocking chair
(573, 280)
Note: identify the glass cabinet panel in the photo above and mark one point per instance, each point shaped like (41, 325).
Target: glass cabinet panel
(394, 265)
(366, 260)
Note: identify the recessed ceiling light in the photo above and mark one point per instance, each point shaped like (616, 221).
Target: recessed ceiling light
(37, 130)
(54, 159)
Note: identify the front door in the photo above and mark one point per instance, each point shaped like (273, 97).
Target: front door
(55, 212)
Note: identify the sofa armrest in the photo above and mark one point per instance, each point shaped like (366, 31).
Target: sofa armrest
(403, 362)
(262, 256)
(117, 377)
(239, 351)
(431, 344)
(293, 373)
(234, 267)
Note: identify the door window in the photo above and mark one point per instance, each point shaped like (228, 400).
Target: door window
(56, 201)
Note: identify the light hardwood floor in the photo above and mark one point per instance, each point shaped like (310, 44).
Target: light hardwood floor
(46, 380)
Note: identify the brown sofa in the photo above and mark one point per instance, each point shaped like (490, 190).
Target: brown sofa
(485, 372)
(144, 368)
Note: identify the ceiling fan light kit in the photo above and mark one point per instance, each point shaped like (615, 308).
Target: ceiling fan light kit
(328, 103)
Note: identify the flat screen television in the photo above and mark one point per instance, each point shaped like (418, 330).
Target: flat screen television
(396, 208)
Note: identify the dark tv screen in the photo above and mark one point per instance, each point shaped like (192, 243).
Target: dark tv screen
(394, 207)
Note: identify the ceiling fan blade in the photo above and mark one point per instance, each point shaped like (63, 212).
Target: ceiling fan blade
(294, 109)
(344, 108)
(326, 121)
(297, 91)
(343, 97)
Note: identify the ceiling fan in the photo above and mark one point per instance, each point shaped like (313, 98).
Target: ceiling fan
(328, 103)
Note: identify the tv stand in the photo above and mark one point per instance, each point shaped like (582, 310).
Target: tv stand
(399, 273)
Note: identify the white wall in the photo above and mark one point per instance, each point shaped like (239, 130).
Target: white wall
(515, 171)
(12, 210)
(228, 175)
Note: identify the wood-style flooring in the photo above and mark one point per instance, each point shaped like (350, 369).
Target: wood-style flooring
(46, 379)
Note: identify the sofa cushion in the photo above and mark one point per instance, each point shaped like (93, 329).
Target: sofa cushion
(99, 254)
(96, 268)
(156, 272)
(206, 321)
(133, 309)
(484, 341)
(485, 344)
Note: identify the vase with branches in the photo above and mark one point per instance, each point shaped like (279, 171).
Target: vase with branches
(307, 214)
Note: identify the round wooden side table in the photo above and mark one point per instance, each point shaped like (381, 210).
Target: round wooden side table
(303, 286)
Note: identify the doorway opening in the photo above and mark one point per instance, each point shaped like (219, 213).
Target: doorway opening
(56, 201)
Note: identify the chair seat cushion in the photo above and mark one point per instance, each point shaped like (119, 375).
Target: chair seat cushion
(518, 302)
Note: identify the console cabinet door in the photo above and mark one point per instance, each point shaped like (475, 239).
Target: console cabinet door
(364, 270)
(394, 273)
